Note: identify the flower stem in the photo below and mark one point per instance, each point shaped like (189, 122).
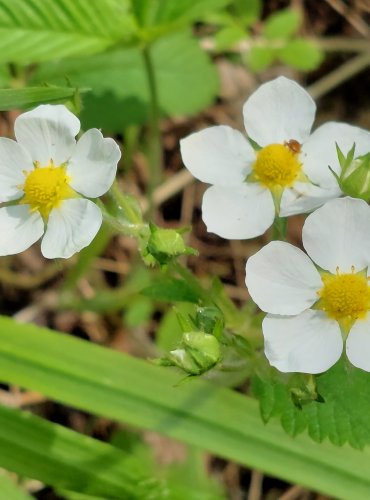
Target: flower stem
(279, 228)
(155, 148)
(126, 203)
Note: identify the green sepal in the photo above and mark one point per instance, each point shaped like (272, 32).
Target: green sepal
(165, 245)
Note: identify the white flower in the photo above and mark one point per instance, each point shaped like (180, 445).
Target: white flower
(310, 308)
(288, 175)
(46, 175)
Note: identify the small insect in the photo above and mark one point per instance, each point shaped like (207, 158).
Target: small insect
(293, 145)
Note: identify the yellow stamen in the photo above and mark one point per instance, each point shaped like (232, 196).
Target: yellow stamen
(345, 297)
(276, 166)
(46, 187)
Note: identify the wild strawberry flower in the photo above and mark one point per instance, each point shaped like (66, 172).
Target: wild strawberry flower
(313, 309)
(46, 176)
(289, 174)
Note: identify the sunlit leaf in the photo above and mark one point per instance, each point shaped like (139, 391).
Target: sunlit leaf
(260, 58)
(31, 32)
(282, 24)
(186, 82)
(301, 54)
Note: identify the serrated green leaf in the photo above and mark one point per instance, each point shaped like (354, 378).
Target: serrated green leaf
(59, 457)
(118, 386)
(32, 96)
(282, 24)
(10, 491)
(186, 80)
(347, 390)
(260, 58)
(301, 54)
(342, 416)
(293, 421)
(30, 32)
(171, 289)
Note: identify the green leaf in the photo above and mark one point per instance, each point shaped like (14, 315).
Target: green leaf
(282, 24)
(32, 96)
(346, 391)
(158, 13)
(171, 289)
(227, 37)
(30, 32)
(10, 491)
(138, 312)
(133, 391)
(260, 58)
(191, 481)
(247, 11)
(341, 415)
(301, 54)
(63, 458)
(169, 331)
(187, 479)
(186, 80)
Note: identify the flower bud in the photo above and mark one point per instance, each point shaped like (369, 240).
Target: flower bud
(198, 353)
(354, 178)
(165, 245)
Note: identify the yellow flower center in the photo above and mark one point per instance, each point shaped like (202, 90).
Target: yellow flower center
(276, 166)
(46, 187)
(345, 297)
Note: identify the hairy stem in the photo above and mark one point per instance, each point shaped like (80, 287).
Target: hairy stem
(155, 147)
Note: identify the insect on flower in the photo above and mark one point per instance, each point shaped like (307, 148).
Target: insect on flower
(288, 173)
(293, 145)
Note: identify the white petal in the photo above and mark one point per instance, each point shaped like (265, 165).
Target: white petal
(93, 165)
(238, 212)
(319, 152)
(218, 155)
(358, 344)
(305, 197)
(278, 111)
(308, 343)
(13, 161)
(71, 228)
(48, 132)
(281, 279)
(19, 228)
(338, 235)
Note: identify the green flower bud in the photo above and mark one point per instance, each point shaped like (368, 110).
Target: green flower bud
(354, 178)
(164, 245)
(199, 353)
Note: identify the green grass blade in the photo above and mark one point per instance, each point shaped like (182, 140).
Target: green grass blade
(65, 459)
(10, 491)
(126, 389)
(32, 96)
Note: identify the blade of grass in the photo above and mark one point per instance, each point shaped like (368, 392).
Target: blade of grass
(130, 390)
(57, 456)
(31, 96)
